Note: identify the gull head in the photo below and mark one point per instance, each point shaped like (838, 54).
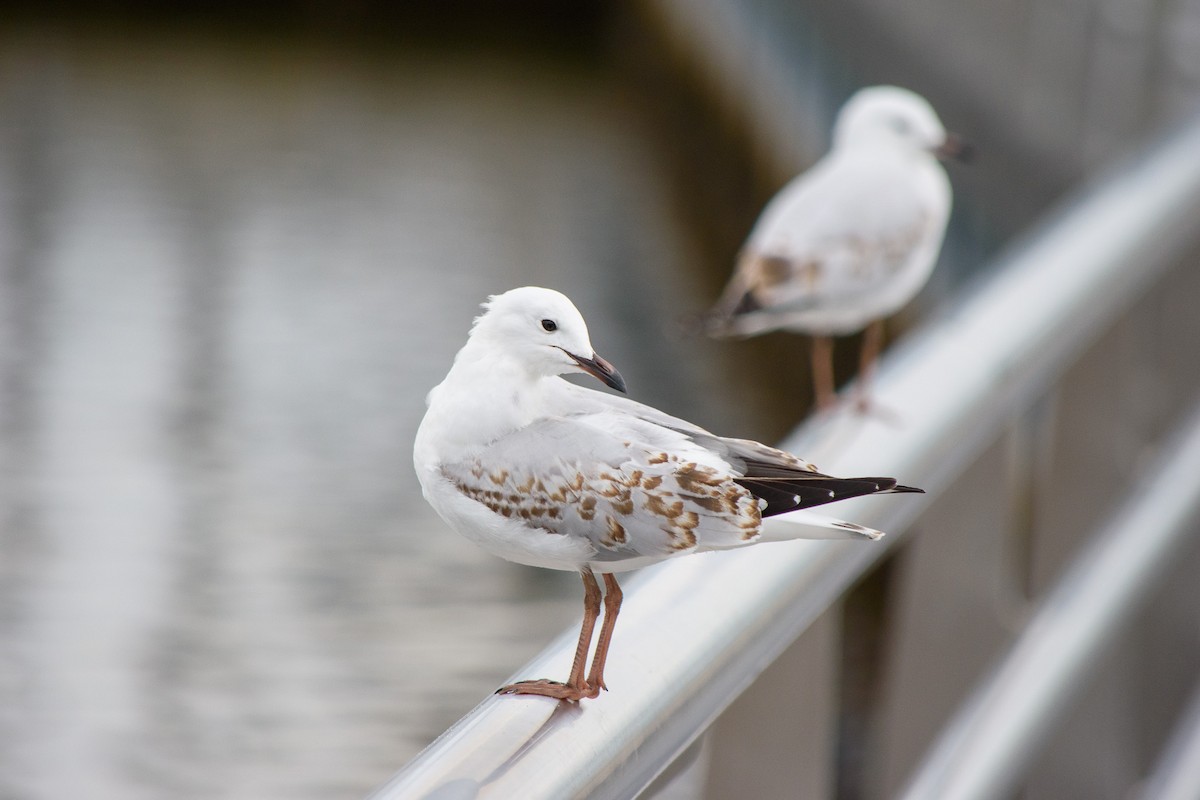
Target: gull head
(881, 115)
(541, 330)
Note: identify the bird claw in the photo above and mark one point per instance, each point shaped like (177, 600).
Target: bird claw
(548, 688)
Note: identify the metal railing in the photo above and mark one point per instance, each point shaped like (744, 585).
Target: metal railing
(685, 651)
(1176, 776)
(987, 748)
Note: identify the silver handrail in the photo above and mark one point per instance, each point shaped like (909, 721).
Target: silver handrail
(1176, 776)
(696, 632)
(985, 750)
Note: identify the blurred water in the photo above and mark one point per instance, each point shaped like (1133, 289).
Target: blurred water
(228, 275)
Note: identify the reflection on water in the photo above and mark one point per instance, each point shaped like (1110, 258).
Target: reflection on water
(228, 275)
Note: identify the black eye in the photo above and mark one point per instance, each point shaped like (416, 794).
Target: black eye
(549, 325)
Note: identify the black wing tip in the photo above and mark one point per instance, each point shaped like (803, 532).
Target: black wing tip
(746, 304)
(782, 495)
(890, 486)
(717, 323)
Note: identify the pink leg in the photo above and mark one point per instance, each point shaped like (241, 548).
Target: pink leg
(872, 342)
(822, 371)
(612, 606)
(575, 688)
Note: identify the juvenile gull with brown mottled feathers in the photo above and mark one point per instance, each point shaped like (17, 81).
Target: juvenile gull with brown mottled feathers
(543, 472)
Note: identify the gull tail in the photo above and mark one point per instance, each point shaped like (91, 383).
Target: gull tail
(730, 315)
(803, 524)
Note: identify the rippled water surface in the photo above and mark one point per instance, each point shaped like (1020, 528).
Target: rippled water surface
(228, 275)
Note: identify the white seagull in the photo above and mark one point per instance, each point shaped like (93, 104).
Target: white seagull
(851, 240)
(540, 471)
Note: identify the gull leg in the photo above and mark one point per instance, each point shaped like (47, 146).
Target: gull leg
(591, 612)
(612, 606)
(822, 371)
(872, 341)
(574, 688)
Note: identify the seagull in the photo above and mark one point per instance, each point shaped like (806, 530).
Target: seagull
(851, 240)
(540, 471)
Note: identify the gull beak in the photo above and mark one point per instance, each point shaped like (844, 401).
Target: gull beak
(599, 368)
(955, 147)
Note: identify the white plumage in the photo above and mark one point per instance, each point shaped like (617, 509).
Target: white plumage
(542, 472)
(853, 239)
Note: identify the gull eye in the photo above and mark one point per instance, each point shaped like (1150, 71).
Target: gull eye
(549, 325)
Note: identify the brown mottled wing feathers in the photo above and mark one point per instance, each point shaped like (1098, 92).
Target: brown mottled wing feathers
(644, 485)
(611, 488)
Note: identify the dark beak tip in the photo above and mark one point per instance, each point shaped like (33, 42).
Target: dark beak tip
(957, 148)
(600, 369)
(608, 373)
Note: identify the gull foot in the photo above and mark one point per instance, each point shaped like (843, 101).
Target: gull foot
(548, 688)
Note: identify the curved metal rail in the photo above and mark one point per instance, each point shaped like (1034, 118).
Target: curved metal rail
(696, 632)
(987, 748)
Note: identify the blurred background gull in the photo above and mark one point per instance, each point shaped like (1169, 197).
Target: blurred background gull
(238, 243)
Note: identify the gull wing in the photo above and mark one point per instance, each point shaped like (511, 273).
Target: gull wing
(629, 488)
(783, 481)
(635, 482)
